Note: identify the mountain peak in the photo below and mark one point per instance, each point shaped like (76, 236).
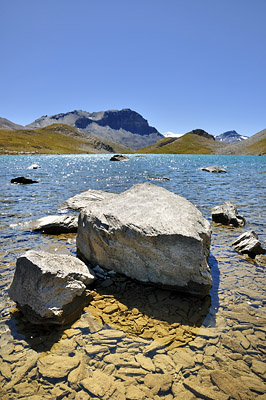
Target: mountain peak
(201, 132)
(230, 137)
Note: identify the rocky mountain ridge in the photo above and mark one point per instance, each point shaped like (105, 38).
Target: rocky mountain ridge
(125, 126)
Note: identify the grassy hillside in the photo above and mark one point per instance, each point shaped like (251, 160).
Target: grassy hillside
(191, 143)
(186, 144)
(55, 139)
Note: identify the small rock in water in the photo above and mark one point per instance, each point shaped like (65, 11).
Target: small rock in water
(214, 168)
(22, 180)
(119, 157)
(50, 289)
(248, 243)
(56, 224)
(227, 214)
(34, 166)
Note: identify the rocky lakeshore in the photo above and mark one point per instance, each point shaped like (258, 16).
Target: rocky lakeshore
(136, 341)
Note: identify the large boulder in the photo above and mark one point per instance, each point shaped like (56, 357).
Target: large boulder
(50, 289)
(56, 224)
(82, 200)
(149, 234)
(227, 214)
(248, 243)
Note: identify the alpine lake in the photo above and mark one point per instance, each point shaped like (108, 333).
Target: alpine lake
(134, 341)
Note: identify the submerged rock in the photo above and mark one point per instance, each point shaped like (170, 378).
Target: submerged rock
(227, 214)
(214, 168)
(248, 243)
(261, 259)
(151, 235)
(22, 180)
(119, 157)
(83, 200)
(158, 178)
(50, 289)
(56, 224)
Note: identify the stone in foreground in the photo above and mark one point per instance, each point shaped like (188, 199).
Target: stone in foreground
(248, 243)
(82, 200)
(50, 289)
(227, 214)
(214, 168)
(56, 224)
(151, 235)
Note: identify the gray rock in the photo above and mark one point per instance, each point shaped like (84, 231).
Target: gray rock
(50, 289)
(214, 168)
(119, 157)
(82, 200)
(56, 224)
(227, 214)
(151, 235)
(248, 243)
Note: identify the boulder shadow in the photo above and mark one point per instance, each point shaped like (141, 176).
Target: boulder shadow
(157, 304)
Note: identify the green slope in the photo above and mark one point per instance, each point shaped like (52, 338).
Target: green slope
(55, 139)
(187, 144)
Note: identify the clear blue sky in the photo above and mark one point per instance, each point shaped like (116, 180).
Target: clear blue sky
(182, 64)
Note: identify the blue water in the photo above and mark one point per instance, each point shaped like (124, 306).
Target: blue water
(62, 176)
(237, 301)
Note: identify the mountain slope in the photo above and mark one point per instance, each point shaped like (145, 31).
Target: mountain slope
(198, 142)
(6, 124)
(125, 126)
(254, 145)
(55, 139)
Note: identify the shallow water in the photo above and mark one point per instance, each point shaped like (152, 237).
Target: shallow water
(142, 342)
